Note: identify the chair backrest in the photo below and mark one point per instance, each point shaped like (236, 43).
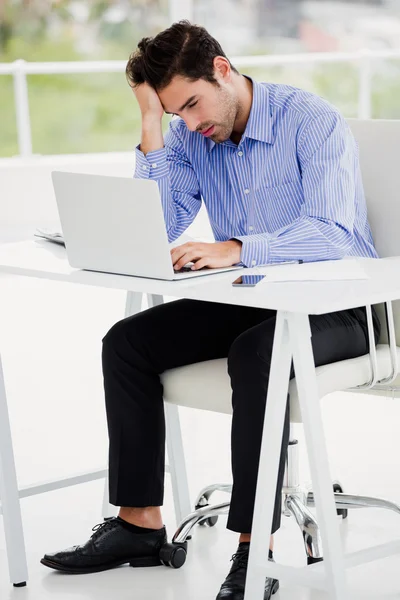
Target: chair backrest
(379, 147)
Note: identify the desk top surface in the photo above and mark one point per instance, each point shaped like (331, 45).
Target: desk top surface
(49, 261)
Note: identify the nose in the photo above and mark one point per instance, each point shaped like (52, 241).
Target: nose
(192, 124)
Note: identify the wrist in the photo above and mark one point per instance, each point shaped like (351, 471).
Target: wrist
(152, 135)
(235, 243)
(151, 120)
(236, 246)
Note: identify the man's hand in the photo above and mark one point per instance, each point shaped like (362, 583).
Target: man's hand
(152, 111)
(218, 254)
(149, 102)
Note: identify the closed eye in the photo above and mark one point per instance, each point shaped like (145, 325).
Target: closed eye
(188, 106)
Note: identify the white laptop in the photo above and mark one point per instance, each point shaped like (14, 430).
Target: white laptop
(116, 225)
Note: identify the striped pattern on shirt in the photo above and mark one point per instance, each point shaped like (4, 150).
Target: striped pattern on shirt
(291, 189)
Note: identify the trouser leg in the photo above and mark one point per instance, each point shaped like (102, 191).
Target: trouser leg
(335, 337)
(136, 351)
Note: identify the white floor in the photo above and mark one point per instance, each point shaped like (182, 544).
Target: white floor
(50, 342)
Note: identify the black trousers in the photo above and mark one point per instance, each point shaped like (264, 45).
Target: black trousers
(138, 349)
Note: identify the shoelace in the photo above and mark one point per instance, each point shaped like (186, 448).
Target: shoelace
(100, 527)
(241, 558)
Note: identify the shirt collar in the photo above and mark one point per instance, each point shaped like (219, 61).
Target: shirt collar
(259, 124)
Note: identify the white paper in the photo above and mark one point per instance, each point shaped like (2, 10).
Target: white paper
(327, 270)
(50, 235)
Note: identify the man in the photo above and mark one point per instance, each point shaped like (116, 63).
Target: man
(277, 168)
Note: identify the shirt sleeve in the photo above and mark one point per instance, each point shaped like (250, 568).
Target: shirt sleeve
(327, 155)
(177, 182)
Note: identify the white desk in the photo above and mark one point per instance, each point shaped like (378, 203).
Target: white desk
(294, 302)
(48, 261)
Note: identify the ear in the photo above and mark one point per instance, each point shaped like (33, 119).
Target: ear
(222, 68)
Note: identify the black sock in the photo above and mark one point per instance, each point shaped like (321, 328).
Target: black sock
(270, 553)
(135, 528)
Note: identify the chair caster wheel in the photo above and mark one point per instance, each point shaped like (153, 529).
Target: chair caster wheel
(208, 521)
(311, 560)
(342, 512)
(173, 555)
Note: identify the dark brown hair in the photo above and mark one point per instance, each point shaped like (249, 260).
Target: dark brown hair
(182, 49)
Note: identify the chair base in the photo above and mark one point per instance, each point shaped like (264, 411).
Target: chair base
(296, 501)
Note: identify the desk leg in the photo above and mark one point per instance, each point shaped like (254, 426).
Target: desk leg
(176, 455)
(303, 359)
(9, 496)
(176, 463)
(133, 305)
(269, 458)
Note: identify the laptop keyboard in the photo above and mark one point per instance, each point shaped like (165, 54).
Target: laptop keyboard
(187, 269)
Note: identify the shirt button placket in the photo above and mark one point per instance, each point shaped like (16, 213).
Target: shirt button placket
(247, 191)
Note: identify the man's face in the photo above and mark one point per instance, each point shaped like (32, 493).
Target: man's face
(205, 107)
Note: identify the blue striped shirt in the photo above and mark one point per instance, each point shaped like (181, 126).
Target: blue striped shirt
(291, 189)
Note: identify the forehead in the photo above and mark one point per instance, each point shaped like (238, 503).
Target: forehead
(180, 90)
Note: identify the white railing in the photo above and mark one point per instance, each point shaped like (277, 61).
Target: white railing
(19, 69)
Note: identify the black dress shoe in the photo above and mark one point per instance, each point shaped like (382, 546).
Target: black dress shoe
(233, 586)
(110, 545)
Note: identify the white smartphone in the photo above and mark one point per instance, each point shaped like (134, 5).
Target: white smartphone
(248, 280)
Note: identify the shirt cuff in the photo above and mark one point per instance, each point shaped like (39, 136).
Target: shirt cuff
(152, 166)
(254, 249)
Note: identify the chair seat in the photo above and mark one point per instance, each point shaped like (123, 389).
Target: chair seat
(206, 385)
